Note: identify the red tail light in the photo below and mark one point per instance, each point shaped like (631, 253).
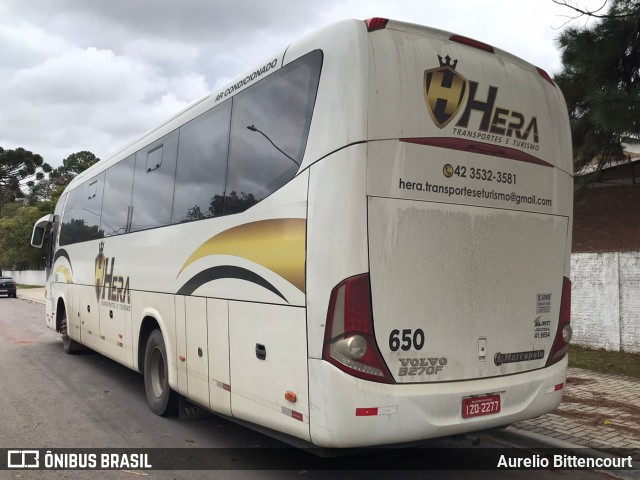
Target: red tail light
(545, 75)
(376, 23)
(472, 43)
(349, 343)
(564, 332)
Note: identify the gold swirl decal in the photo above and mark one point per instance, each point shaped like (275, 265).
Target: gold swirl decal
(65, 273)
(277, 244)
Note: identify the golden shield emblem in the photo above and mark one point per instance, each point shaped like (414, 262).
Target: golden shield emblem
(444, 91)
(100, 270)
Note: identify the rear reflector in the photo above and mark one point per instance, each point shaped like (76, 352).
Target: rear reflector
(376, 411)
(554, 388)
(376, 23)
(472, 43)
(366, 412)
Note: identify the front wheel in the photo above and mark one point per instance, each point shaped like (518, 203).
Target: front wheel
(69, 346)
(162, 400)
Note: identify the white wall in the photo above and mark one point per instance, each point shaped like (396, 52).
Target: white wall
(27, 277)
(605, 303)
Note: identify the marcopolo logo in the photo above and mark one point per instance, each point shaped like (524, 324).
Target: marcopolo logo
(110, 286)
(447, 93)
(501, 358)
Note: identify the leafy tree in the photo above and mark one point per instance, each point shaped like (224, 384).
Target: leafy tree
(50, 189)
(16, 252)
(600, 79)
(71, 166)
(16, 167)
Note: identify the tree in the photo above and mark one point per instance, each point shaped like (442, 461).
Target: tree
(18, 167)
(600, 79)
(50, 189)
(16, 252)
(71, 166)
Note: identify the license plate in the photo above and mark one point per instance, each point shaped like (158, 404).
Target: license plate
(478, 406)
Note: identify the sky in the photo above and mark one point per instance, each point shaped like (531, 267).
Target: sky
(95, 74)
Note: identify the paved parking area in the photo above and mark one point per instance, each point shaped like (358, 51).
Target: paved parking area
(600, 411)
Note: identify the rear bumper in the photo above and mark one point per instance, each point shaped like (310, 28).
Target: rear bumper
(407, 413)
(8, 291)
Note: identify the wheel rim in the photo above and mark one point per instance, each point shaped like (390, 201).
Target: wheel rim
(157, 372)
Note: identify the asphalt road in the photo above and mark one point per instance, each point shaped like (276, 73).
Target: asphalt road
(52, 400)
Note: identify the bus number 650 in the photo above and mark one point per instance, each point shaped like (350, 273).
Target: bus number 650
(408, 340)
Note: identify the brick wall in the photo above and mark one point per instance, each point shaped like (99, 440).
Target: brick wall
(607, 219)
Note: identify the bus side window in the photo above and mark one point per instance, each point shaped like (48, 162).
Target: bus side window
(269, 128)
(72, 221)
(153, 183)
(116, 206)
(92, 207)
(202, 165)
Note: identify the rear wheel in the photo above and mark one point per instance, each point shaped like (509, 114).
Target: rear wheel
(162, 400)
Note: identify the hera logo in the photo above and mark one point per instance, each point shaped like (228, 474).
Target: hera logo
(445, 91)
(109, 286)
(448, 93)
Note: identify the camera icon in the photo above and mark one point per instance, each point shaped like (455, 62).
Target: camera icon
(23, 459)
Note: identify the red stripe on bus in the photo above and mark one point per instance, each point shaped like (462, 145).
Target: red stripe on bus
(366, 412)
(472, 146)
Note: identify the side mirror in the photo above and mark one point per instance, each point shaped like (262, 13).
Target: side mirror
(39, 229)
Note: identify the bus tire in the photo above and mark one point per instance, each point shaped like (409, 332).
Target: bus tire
(69, 346)
(162, 400)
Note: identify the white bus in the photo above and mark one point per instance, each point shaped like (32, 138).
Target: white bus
(363, 241)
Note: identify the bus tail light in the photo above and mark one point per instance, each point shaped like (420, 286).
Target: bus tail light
(545, 75)
(564, 332)
(349, 343)
(376, 23)
(470, 42)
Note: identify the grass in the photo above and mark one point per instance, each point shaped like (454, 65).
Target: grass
(28, 286)
(602, 361)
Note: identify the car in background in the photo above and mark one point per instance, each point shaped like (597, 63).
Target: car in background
(8, 287)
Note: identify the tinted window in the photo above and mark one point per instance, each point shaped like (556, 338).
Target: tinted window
(70, 218)
(202, 166)
(117, 197)
(153, 183)
(270, 124)
(81, 218)
(92, 206)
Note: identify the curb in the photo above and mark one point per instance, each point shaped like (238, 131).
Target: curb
(32, 300)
